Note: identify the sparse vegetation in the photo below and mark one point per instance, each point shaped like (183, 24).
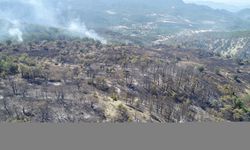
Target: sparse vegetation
(117, 77)
(123, 115)
(153, 62)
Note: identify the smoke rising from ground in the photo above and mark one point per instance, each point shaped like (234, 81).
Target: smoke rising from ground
(80, 29)
(15, 14)
(16, 32)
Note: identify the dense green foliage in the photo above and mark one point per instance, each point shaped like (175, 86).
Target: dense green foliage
(8, 65)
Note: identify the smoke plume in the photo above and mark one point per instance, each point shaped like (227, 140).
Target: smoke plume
(15, 14)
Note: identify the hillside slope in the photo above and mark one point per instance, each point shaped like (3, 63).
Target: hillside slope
(85, 81)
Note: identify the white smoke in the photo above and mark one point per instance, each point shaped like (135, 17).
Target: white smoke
(46, 13)
(80, 30)
(11, 29)
(16, 33)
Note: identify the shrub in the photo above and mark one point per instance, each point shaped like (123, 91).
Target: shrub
(114, 97)
(238, 115)
(236, 78)
(24, 58)
(217, 71)
(8, 65)
(239, 61)
(123, 115)
(8, 42)
(201, 68)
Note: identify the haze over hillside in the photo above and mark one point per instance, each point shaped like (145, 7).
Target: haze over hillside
(77, 16)
(229, 5)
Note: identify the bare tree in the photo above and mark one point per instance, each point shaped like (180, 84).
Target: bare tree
(45, 113)
(5, 104)
(23, 88)
(13, 84)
